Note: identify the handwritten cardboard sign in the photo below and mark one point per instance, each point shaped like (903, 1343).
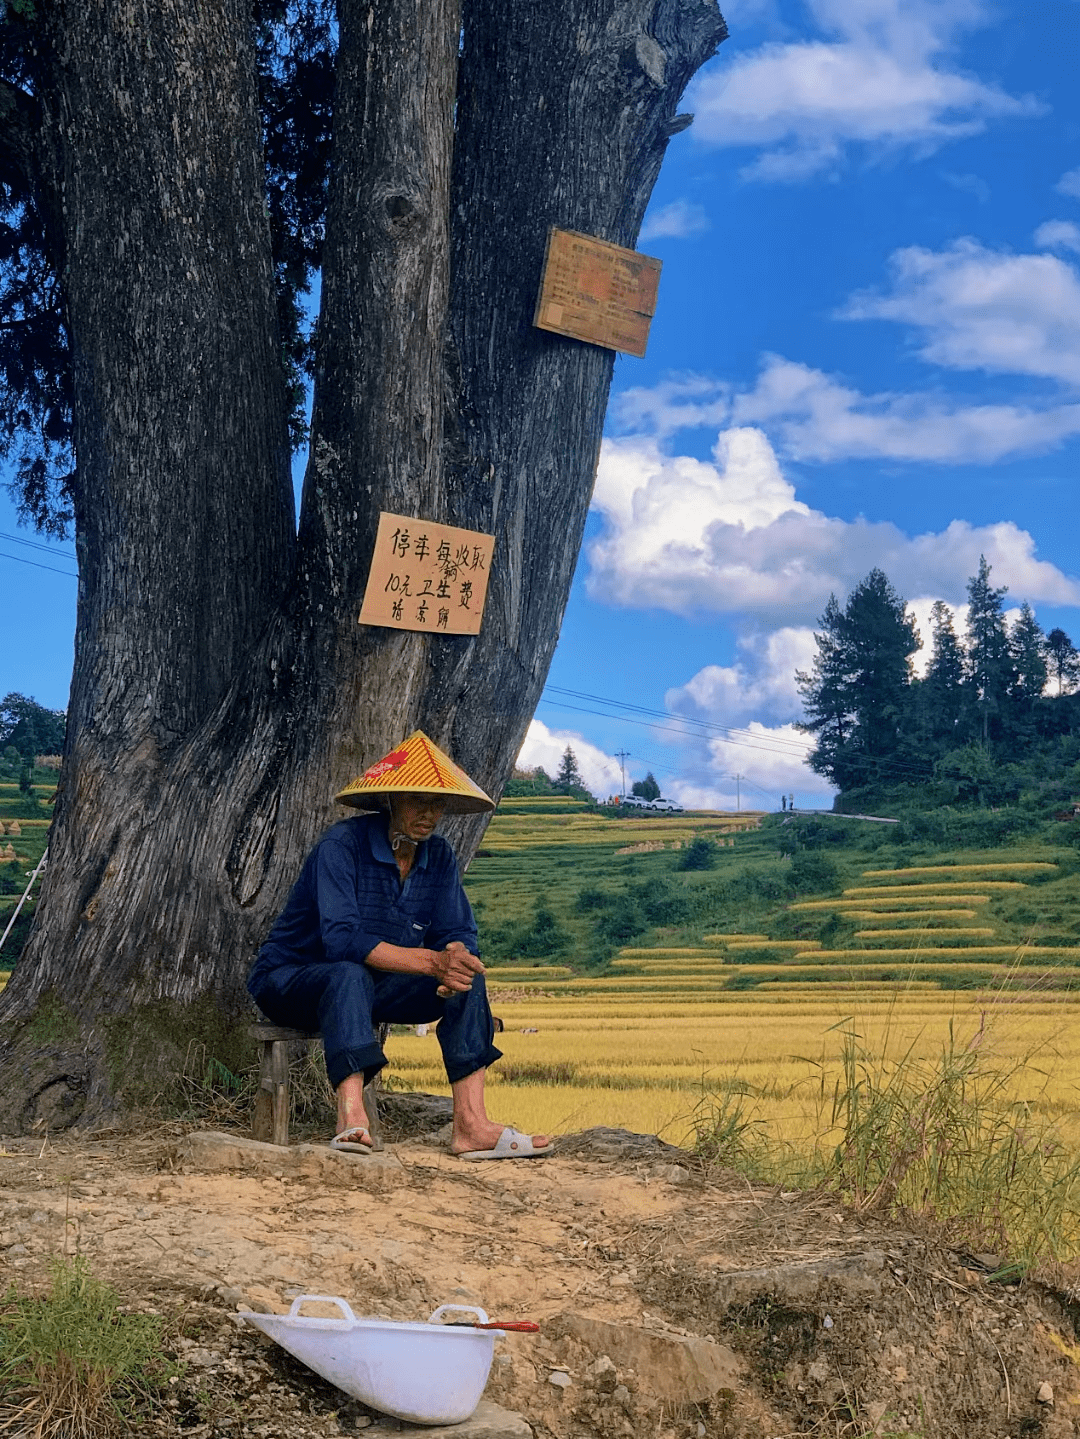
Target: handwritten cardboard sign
(426, 576)
(598, 292)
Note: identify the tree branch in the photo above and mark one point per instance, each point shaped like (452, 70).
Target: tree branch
(20, 129)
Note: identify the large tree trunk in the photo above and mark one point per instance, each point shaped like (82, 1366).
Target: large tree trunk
(223, 688)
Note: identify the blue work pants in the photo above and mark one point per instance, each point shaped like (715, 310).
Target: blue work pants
(345, 1002)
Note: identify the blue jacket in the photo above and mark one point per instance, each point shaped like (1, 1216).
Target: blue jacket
(350, 897)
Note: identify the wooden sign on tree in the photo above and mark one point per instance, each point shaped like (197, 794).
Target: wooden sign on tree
(597, 292)
(426, 576)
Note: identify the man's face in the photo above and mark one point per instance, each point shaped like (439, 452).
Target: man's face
(416, 815)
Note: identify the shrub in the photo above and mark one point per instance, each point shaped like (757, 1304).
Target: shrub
(591, 898)
(944, 1139)
(814, 873)
(699, 854)
(538, 938)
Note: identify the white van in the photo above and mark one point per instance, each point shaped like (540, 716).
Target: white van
(667, 805)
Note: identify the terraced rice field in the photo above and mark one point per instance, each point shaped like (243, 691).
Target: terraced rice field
(746, 1014)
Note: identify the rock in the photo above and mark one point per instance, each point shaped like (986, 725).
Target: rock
(604, 1143)
(671, 1173)
(560, 1379)
(668, 1366)
(209, 1151)
(406, 1116)
(488, 1421)
(1045, 1394)
(603, 1376)
(800, 1283)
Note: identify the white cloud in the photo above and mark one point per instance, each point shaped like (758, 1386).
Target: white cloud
(730, 536)
(969, 184)
(815, 417)
(976, 309)
(1069, 184)
(685, 402)
(770, 761)
(878, 76)
(1058, 235)
(546, 747)
(677, 221)
(760, 685)
(982, 309)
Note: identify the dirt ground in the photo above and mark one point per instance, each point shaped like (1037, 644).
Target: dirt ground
(670, 1304)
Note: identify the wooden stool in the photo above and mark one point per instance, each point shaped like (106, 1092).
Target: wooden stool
(271, 1119)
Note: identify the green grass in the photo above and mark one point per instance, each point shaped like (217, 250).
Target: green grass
(72, 1365)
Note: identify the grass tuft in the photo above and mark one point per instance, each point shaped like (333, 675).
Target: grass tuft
(72, 1366)
(947, 1140)
(943, 1138)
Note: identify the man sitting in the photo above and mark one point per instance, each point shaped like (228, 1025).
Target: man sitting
(378, 930)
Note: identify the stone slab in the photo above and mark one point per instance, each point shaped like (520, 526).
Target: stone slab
(488, 1421)
(676, 1368)
(210, 1151)
(803, 1282)
(609, 1144)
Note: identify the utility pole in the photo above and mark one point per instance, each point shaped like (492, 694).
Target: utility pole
(622, 755)
(738, 795)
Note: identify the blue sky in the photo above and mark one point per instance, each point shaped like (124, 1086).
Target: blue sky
(866, 352)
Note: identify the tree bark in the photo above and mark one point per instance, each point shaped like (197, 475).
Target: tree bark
(564, 116)
(223, 689)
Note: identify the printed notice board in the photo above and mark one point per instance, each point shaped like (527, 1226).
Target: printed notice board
(597, 292)
(426, 576)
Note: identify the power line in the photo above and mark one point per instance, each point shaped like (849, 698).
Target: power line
(746, 739)
(21, 560)
(673, 729)
(710, 725)
(35, 544)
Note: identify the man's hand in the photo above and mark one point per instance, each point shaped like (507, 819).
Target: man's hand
(454, 968)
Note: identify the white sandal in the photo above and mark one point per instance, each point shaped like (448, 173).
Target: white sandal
(343, 1142)
(511, 1144)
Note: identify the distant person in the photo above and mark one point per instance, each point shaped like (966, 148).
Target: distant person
(378, 930)
(783, 802)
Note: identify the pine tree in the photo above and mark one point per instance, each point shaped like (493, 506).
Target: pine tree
(827, 694)
(1063, 660)
(568, 778)
(858, 693)
(941, 692)
(990, 672)
(1028, 650)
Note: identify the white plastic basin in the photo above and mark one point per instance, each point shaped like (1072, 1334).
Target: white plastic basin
(428, 1373)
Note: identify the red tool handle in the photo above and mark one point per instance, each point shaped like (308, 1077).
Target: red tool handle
(518, 1326)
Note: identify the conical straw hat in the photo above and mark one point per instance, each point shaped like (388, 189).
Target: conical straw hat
(417, 766)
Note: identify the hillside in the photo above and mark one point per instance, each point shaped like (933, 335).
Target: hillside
(735, 999)
(670, 1302)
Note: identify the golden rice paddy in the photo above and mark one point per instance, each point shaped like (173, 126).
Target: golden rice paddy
(571, 1063)
(644, 1043)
